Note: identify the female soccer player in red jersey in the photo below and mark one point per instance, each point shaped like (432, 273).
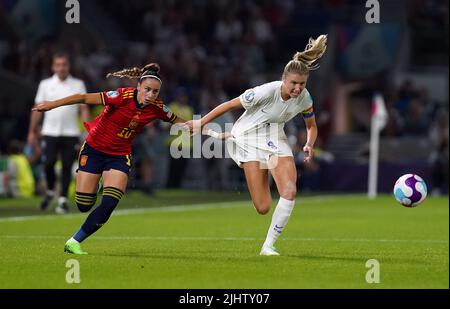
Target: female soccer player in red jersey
(107, 150)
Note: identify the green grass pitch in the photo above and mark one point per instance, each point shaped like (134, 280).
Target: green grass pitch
(212, 240)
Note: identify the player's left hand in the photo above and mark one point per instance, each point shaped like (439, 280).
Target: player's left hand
(309, 153)
(43, 107)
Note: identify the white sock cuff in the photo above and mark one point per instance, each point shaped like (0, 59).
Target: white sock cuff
(286, 203)
(62, 199)
(73, 240)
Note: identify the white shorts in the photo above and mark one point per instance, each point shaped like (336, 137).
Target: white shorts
(257, 150)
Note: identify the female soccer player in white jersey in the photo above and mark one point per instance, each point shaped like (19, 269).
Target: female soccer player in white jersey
(258, 141)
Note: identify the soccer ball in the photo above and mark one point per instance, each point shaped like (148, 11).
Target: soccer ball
(410, 190)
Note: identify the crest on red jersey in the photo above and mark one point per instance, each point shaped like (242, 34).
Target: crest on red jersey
(133, 124)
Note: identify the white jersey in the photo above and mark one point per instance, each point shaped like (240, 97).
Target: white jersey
(259, 132)
(61, 121)
(265, 107)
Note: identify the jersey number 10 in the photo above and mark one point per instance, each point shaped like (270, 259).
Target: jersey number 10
(126, 133)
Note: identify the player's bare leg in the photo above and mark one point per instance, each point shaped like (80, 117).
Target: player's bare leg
(285, 176)
(87, 182)
(258, 185)
(86, 190)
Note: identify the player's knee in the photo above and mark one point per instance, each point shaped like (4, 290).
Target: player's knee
(262, 207)
(112, 196)
(85, 201)
(263, 211)
(110, 200)
(289, 191)
(84, 208)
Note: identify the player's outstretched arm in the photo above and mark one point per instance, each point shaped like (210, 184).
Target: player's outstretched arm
(196, 126)
(88, 98)
(212, 133)
(179, 120)
(205, 131)
(220, 110)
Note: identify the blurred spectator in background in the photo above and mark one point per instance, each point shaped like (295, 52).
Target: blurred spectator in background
(60, 129)
(217, 169)
(143, 157)
(21, 181)
(439, 156)
(416, 121)
(405, 95)
(8, 123)
(309, 175)
(177, 167)
(33, 152)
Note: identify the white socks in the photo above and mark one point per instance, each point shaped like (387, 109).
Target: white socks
(280, 218)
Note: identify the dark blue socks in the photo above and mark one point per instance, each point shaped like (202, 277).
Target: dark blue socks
(100, 215)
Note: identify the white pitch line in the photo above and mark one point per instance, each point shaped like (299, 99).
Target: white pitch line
(130, 211)
(205, 238)
(177, 208)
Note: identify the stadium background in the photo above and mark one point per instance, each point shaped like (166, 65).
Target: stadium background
(211, 51)
(204, 233)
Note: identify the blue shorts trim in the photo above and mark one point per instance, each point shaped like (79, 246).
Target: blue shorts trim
(93, 161)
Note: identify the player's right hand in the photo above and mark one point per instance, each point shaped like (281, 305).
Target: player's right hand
(194, 126)
(225, 135)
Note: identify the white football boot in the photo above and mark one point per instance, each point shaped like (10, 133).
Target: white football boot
(269, 251)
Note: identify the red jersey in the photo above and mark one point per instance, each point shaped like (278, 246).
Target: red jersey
(122, 119)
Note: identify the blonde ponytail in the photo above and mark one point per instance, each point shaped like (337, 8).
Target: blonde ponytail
(303, 62)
